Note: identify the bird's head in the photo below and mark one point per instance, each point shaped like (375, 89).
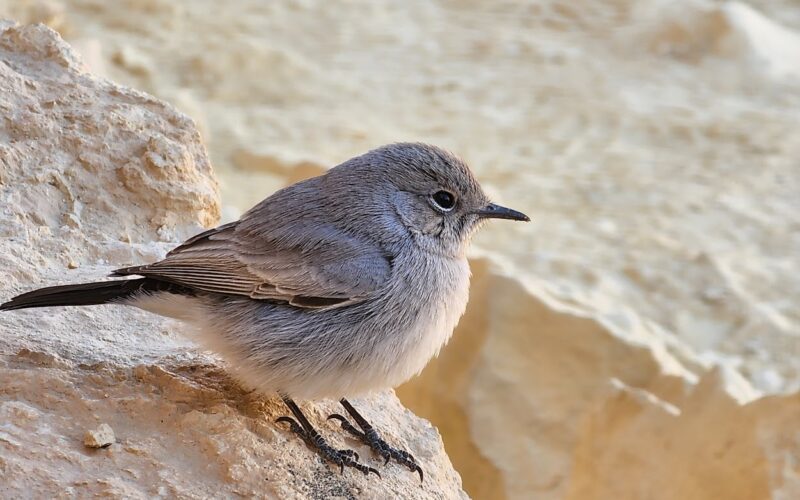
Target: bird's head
(425, 191)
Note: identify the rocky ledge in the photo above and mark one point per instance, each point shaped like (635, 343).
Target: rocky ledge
(110, 400)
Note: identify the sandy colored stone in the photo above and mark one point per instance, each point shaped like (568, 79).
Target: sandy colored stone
(107, 176)
(549, 399)
(101, 437)
(648, 315)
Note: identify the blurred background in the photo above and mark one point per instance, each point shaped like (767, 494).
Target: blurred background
(629, 333)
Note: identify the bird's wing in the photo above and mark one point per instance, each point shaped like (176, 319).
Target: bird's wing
(305, 265)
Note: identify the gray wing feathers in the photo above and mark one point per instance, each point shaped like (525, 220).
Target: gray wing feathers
(307, 265)
(340, 267)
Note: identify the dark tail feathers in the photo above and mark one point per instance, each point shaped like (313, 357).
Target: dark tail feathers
(84, 294)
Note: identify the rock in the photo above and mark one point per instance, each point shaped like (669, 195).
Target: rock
(95, 173)
(730, 31)
(102, 437)
(654, 144)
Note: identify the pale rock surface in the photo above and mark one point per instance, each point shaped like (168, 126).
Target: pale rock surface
(91, 173)
(639, 338)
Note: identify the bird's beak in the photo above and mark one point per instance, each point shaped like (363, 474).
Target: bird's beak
(492, 211)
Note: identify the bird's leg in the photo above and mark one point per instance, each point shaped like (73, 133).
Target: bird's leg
(303, 428)
(369, 436)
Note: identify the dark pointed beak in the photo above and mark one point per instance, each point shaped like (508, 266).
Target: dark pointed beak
(492, 211)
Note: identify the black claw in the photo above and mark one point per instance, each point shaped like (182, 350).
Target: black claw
(289, 420)
(293, 426)
(408, 456)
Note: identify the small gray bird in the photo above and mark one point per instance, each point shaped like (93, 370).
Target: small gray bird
(335, 286)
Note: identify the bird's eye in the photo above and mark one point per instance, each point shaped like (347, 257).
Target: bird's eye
(444, 200)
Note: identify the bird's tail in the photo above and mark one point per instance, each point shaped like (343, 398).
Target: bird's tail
(83, 294)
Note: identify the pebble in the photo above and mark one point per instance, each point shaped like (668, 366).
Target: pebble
(102, 437)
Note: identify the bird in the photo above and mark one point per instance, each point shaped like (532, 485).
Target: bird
(333, 287)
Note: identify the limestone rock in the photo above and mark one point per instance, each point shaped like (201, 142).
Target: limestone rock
(655, 145)
(102, 437)
(91, 174)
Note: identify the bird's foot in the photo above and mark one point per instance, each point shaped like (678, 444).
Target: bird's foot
(342, 458)
(370, 437)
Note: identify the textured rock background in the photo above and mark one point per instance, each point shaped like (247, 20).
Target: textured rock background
(95, 176)
(640, 337)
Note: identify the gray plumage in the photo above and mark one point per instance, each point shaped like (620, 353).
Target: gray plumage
(337, 285)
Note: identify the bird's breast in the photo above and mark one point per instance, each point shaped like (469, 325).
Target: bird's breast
(429, 296)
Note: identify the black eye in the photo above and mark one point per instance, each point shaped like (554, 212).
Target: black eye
(444, 200)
